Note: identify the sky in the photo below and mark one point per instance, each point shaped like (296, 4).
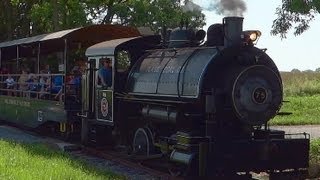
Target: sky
(301, 52)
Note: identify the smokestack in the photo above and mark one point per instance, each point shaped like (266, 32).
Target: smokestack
(232, 27)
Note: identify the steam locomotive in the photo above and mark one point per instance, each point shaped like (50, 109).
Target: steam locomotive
(202, 106)
(206, 107)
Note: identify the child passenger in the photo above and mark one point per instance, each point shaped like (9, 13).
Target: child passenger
(10, 84)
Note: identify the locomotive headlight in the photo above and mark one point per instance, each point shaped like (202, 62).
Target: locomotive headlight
(251, 37)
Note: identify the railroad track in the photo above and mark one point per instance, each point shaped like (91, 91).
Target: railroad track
(120, 158)
(121, 162)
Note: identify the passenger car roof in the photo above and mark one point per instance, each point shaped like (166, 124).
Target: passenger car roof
(109, 47)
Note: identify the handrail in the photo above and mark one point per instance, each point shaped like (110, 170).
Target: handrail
(36, 92)
(29, 83)
(33, 74)
(36, 87)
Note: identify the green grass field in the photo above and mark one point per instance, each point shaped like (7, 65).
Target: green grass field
(314, 163)
(302, 90)
(301, 83)
(35, 161)
(315, 151)
(305, 109)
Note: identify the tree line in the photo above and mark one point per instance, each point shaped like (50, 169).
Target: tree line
(317, 70)
(24, 18)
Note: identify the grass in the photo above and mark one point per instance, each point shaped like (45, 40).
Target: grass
(305, 109)
(301, 83)
(314, 163)
(36, 161)
(302, 90)
(315, 151)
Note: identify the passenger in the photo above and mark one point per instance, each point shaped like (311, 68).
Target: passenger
(105, 72)
(81, 63)
(76, 76)
(83, 68)
(43, 85)
(57, 83)
(10, 84)
(46, 70)
(2, 83)
(75, 81)
(32, 83)
(4, 71)
(71, 76)
(23, 86)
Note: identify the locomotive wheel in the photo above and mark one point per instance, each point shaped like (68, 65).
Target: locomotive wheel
(143, 142)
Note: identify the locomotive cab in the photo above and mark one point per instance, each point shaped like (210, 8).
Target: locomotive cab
(109, 63)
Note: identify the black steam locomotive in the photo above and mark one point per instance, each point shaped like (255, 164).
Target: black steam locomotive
(202, 106)
(205, 107)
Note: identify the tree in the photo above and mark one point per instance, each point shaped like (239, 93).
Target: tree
(23, 18)
(54, 15)
(295, 71)
(308, 71)
(295, 14)
(15, 20)
(155, 14)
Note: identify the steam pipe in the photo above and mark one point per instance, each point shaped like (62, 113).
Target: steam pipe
(160, 114)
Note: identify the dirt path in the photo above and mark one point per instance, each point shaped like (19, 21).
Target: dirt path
(313, 130)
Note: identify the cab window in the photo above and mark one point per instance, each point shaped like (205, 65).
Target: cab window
(123, 61)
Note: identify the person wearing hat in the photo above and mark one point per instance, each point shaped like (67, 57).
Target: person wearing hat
(105, 72)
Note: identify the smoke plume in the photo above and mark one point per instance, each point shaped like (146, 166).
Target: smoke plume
(221, 7)
(229, 7)
(191, 6)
